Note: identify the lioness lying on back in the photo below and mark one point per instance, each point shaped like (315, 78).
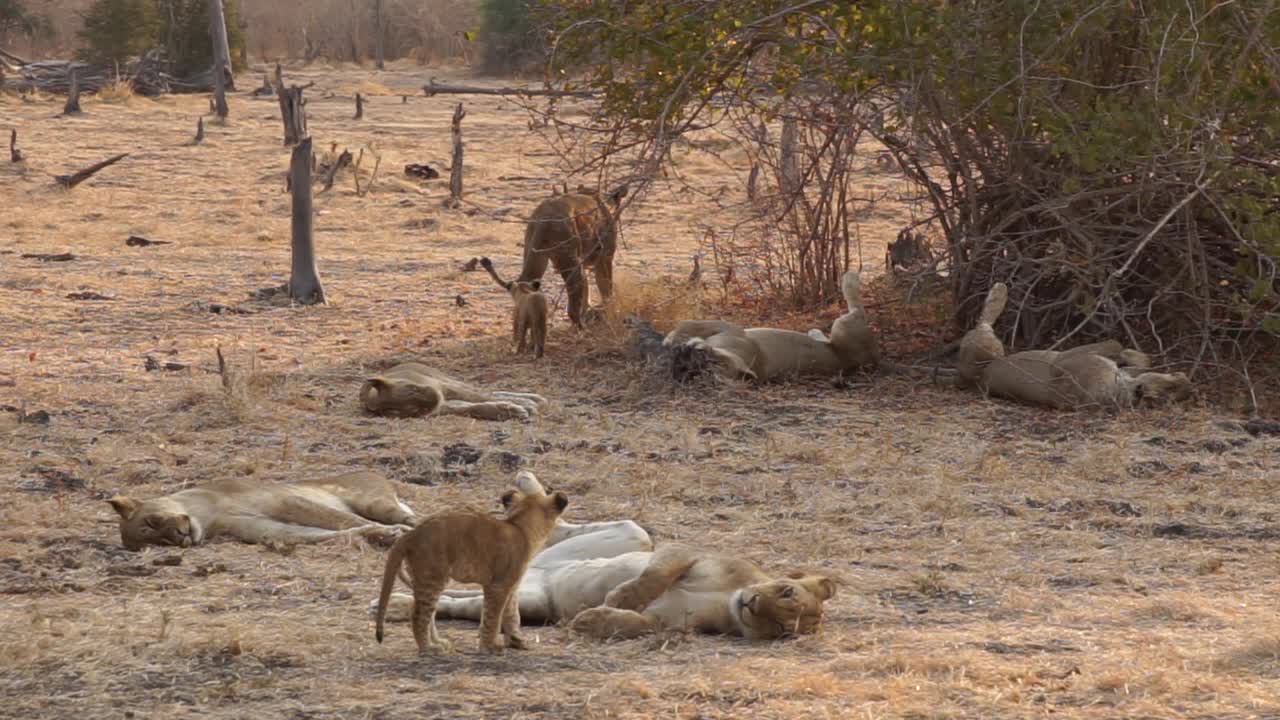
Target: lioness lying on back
(769, 353)
(1102, 374)
(469, 546)
(609, 581)
(362, 504)
(415, 390)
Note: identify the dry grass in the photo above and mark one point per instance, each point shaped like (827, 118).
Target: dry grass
(998, 561)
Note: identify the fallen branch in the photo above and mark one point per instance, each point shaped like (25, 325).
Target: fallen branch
(74, 179)
(434, 88)
(139, 241)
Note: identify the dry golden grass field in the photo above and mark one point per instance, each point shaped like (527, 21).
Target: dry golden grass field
(997, 561)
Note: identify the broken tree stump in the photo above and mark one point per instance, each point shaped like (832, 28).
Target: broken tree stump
(455, 172)
(73, 95)
(359, 107)
(304, 277)
(74, 179)
(15, 155)
(292, 111)
(199, 131)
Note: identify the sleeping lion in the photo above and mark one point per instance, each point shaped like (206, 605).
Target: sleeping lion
(1103, 374)
(765, 354)
(360, 504)
(610, 582)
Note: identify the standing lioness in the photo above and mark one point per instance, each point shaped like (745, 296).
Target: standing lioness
(474, 548)
(573, 232)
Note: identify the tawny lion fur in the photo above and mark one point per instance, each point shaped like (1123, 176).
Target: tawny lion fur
(528, 312)
(607, 579)
(573, 232)
(473, 547)
(357, 504)
(1103, 374)
(416, 390)
(765, 354)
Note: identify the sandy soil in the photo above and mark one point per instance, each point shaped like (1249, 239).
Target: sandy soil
(997, 561)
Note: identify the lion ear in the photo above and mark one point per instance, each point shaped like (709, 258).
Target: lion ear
(536, 285)
(378, 384)
(124, 505)
(616, 196)
(823, 587)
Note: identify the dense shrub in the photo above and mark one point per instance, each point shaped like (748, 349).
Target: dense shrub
(117, 30)
(512, 42)
(1117, 163)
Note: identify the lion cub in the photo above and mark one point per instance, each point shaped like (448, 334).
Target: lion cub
(472, 547)
(530, 313)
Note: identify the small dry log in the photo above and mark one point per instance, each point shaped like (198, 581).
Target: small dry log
(73, 95)
(434, 88)
(455, 172)
(139, 241)
(74, 179)
(15, 155)
(47, 257)
(199, 131)
(359, 107)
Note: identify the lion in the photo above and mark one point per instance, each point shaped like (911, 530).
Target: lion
(1103, 374)
(529, 314)
(475, 548)
(609, 582)
(765, 354)
(574, 231)
(308, 511)
(415, 390)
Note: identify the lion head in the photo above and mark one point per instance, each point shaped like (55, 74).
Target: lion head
(396, 397)
(142, 524)
(780, 608)
(1155, 388)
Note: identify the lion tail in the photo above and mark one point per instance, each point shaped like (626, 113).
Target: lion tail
(395, 557)
(997, 296)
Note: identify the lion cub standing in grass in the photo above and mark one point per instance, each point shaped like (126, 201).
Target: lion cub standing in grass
(471, 547)
(529, 316)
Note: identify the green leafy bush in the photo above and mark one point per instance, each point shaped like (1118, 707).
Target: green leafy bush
(117, 30)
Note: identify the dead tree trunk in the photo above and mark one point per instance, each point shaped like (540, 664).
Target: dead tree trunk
(199, 131)
(455, 173)
(15, 155)
(73, 95)
(359, 107)
(221, 50)
(220, 95)
(378, 31)
(291, 110)
(304, 276)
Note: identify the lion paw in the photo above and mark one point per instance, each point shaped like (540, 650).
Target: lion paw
(441, 647)
(515, 641)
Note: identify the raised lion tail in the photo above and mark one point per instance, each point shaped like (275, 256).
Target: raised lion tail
(395, 557)
(997, 296)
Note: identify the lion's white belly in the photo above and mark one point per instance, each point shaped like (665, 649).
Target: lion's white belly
(582, 584)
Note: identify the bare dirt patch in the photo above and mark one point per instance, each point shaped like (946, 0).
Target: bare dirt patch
(998, 561)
